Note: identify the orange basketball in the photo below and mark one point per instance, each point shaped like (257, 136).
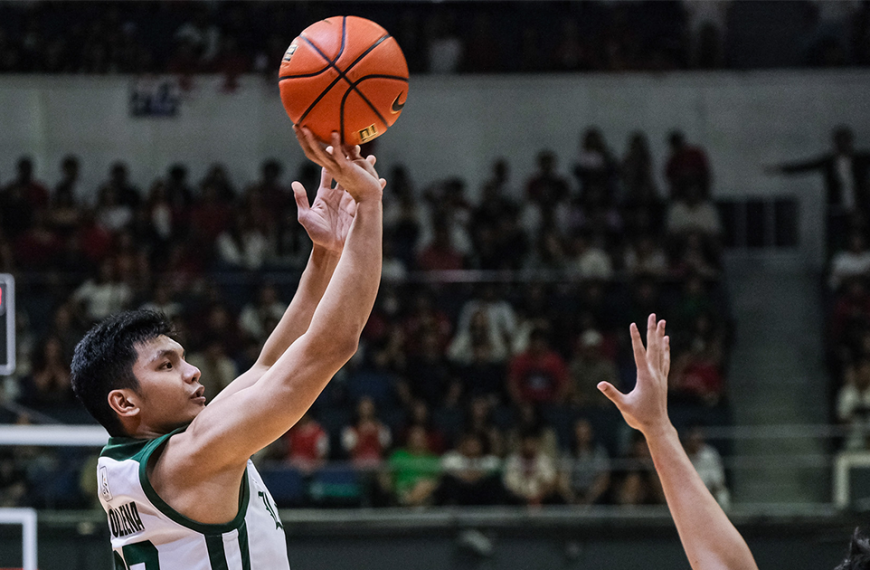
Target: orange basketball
(344, 74)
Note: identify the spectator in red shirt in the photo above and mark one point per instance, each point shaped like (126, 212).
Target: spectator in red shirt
(440, 255)
(686, 165)
(307, 444)
(539, 374)
(20, 199)
(366, 440)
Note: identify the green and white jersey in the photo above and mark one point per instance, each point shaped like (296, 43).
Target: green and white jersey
(148, 534)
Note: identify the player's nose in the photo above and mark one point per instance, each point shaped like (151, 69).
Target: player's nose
(191, 373)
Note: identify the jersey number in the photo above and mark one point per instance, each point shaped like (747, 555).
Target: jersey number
(138, 553)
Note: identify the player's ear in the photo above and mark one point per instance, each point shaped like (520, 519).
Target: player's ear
(124, 401)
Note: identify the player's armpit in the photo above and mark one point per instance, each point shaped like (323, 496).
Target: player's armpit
(229, 430)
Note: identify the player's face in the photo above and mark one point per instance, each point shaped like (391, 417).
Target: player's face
(169, 388)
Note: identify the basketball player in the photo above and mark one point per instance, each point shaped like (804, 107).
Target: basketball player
(710, 540)
(175, 479)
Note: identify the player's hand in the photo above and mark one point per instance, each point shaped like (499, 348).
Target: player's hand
(646, 407)
(329, 218)
(354, 173)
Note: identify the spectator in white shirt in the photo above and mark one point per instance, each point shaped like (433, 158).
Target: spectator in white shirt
(587, 260)
(852, 262)
(255, 316)
(708, 464)
(98, 298)
(693, 214)
(500, 315)
(530, 474)
(243, 246)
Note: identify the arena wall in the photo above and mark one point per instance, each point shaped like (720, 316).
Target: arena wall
(451, 126)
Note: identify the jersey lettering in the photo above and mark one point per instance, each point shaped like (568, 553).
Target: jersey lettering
(125, 520)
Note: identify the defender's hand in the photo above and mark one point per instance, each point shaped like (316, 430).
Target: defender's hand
(646, 407)
(329, 218)
(354, 173)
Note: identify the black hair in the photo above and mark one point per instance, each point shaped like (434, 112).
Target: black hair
(104, 358)
(859, 553)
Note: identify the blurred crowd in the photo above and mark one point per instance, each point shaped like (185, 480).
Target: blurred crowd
(489, 374)
(474, 37)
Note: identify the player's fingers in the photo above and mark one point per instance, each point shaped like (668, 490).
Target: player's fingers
(337, 152)
(383, 183)
(637, 347)
(325, 178)
(301, 197)
(660, 343)
(372, 159)
(612, 393)
(353, 152)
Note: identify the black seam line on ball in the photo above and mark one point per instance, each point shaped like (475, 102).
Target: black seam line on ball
(330, 63)
(341, 75)
(366, 99)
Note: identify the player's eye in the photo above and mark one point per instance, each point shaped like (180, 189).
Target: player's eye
(166, 366)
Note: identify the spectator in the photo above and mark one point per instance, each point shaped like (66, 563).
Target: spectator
(529, 420)
(500, 316)
(708, 464)
(425, 317)
(440, 255)
(49, 384)
(366, 440)
(64, 211)
(21, 199)
(98, 298)
(210, 217)
(119, 184)
(693, 213)
(414, 469)
(268, 307)
(218, 369)
(13, 479)
(686, 166)
(478, 421)
(640, 484)
(471, 475)
(419, 417)
(853, 405)
(646, 257)
(38, 247)
(637, 171)
(110, 212)
(530, 475)
(445, 50)
(480, 360)
(539, 374)
(429, 376)
(851, 262)
(697, 372)
(587, 260)
(596, 167)
(584, 477)
(243, 245)
(588, 368)
(846, 173)
(162, 301)
(546, 188)
(306, 444)
(850, 314)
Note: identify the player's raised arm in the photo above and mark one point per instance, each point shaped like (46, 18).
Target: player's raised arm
(327, 222)
(710, 540)
(229, 430)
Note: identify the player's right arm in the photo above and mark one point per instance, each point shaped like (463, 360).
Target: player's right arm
(227, 432)
(710, 540)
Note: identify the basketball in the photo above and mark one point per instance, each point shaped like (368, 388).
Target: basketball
(344, 74)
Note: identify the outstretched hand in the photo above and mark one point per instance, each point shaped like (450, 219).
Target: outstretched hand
(645, 408)
(329, 218)
(355, 174)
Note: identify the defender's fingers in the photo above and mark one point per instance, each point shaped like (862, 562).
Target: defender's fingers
(666, 359)
(612, 393)
(301, 197)
(660, 343)
(637, 346)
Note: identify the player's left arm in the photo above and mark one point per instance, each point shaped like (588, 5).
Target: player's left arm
(327, 222)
